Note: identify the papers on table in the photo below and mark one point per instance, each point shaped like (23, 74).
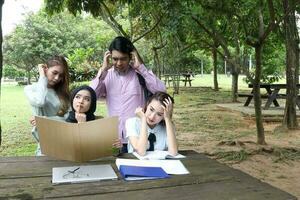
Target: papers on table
(157, 155)
(87, 173)
(169, 166)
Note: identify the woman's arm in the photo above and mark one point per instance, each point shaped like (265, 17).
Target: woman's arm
(36, 93)
(139, 141)
(171, 138)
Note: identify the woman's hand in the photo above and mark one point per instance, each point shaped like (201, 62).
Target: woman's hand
(80, 117)
(139, 112)
(168, 108)
(117, 144)
(32, 121)
(42, 68)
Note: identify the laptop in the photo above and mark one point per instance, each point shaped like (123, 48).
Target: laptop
(83, 173)
(77, 141)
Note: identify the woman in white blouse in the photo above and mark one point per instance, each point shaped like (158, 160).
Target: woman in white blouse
(152, 128)
(50, 96)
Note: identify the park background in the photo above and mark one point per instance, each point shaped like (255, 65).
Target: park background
(213, 41)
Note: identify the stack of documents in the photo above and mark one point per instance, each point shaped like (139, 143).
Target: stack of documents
(141, 173)
(157, 155)
(87, 173)
(168, 166)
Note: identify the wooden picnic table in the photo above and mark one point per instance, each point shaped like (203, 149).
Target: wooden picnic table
(169, 78)
(187, 78)
(272, 94)
(30, 178)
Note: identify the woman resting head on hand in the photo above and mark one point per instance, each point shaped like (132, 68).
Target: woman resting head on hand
(83, 103)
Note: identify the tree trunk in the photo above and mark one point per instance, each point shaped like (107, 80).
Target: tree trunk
(28, 77)
(1, 58)
(157, 65)
(292, 63)
(234, 84)
(257, 97)
(176, 82)
(215, 59)
(235, 69)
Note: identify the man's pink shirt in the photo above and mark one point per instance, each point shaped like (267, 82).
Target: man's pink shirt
(124, 93)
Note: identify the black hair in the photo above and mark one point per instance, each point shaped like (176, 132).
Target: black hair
(90, 113)
(122, 44)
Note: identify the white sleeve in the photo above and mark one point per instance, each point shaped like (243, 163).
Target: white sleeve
(36, 93)
(132, 128)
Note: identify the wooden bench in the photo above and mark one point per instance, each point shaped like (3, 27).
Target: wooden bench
(263, 96)
(187, 80)
(251, 95)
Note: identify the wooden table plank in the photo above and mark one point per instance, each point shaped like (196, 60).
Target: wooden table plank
(22, 178)
(209, 191)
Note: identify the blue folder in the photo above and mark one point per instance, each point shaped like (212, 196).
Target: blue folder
(140, 173)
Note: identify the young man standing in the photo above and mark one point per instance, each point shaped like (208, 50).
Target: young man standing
(118, 82)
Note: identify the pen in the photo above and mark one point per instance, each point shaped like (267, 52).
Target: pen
(74, 170)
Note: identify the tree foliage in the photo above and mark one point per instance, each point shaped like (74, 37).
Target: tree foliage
(41, 37)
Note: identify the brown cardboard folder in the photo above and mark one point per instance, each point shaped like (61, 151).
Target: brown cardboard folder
(77, 141)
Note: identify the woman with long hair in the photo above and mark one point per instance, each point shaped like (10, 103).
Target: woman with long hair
(50, 96)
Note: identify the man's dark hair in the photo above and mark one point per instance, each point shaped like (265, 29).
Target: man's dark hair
(122, 44)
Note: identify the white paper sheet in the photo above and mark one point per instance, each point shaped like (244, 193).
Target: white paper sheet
(157, 155)
(170, 166)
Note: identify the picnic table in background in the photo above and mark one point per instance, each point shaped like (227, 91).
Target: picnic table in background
(30, 178)
(187, 78)
(169, 78)
(184, 77)
(272, 94)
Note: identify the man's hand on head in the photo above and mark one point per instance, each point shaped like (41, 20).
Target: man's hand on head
(136, 60)
(106, 61)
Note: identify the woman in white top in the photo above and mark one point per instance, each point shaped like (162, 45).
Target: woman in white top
(50, 96)
(153, 128)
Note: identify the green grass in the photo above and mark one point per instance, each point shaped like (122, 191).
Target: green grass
(286, 154)
(15, 114)
(16, 111)
(194, 112)
(232, 156)
(224, 81)
(206, 80)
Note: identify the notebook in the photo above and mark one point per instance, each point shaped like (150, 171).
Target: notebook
(77, 141)
(141, 173)
(83, 173)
